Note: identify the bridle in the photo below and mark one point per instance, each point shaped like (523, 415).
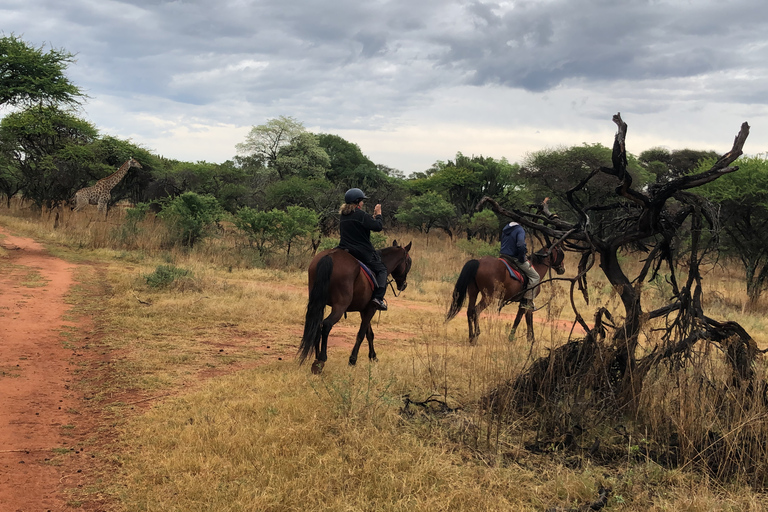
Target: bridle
(407, 260)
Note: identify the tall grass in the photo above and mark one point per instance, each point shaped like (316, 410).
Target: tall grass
(230, 422)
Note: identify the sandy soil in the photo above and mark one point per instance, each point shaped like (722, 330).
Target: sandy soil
(41, 421)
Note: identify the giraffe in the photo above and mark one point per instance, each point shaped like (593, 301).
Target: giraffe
(100, 193)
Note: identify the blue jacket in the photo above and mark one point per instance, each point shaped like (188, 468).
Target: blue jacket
(513, 241)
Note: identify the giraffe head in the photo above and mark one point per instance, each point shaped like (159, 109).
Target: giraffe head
(134, 163)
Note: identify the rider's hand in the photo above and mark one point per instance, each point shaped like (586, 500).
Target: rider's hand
(377, 209)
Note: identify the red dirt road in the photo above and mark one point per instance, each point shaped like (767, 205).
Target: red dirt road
(39, 411)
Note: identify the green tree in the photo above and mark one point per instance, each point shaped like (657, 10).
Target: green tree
(484, 224)
(302, 157)
(427, 211)
(31, 75)
(261, 228)
(263, 142)
(667, 165)
(349, 167)
(52, 150)
(299, 223)
(190, 216)
(743, 200)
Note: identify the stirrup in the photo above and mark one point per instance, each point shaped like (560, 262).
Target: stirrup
(527, 304)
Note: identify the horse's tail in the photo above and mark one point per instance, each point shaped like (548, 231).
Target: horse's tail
(466, 276)
(318, 298)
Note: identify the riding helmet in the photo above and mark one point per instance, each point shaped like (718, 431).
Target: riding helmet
(354, 195)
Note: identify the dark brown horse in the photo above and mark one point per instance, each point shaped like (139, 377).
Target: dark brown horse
(336, 280)
(489, 276)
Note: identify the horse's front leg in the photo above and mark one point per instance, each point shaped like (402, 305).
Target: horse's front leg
(371, 352)
(518, 317)
(365, 325)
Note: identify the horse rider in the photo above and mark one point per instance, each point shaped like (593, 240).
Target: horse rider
(355, 226)
(514, 250)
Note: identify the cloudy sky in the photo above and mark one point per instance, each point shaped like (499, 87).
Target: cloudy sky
(413, 81)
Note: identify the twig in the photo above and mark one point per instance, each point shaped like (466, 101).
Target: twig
(141, 301)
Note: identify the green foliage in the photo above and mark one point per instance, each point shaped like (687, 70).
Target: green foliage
(190, 216)
(30, 76)
(484, 224)
(264, 142)
(427, 211)
(477, 248)
(303, 157)
(742, 197)
(165, 275)
(666, 164)
(268, 230)
(465, 181)
(50, 151)
(348, 165)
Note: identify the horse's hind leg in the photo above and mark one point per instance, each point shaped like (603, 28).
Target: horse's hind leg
(321, 348)
(529, 325)
(365, 328)
(474, 317)
(371, 352)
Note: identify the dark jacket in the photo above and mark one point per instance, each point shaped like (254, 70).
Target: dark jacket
(355, 233)
(513, 241)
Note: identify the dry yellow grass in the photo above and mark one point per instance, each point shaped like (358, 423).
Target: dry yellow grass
(238, 426)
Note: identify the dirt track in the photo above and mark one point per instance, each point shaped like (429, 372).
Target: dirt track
(41, 423)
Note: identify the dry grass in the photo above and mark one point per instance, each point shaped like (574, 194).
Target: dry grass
(240, 427)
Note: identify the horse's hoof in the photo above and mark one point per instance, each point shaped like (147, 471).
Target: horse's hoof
(352, 361)
(373, 359)
(317, 367)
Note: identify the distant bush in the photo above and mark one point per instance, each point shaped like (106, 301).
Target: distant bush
(478, 248)
(190, 216)
(165, 275)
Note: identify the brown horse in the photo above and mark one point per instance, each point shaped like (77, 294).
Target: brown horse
(336, 280)
(490, 277)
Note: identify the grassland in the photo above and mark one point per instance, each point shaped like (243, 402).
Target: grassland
(203, 407)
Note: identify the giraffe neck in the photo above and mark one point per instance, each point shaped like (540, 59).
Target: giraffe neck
(113, 179)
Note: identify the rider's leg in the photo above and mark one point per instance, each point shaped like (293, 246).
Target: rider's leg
(533, 280)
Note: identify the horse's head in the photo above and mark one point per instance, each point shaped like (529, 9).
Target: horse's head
(402, 264)
(552, 257)
(556, 258)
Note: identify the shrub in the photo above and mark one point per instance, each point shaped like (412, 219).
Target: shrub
(165, 275)
(189, 216)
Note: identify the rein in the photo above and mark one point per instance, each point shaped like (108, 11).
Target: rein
(392, 280)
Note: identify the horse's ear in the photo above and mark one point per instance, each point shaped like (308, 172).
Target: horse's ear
(408, 247)
(394, 243)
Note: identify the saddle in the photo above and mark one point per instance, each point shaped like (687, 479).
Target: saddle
(514, 273)
(367, 273)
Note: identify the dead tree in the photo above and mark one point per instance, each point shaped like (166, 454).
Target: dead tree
(648, 222)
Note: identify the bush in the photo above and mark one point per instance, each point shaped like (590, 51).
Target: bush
(165, 275)
(478, 248)
(189, 216)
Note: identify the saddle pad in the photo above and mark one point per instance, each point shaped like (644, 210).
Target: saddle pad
(514, 274)
(368, 274)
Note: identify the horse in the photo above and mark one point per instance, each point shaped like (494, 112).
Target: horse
(489, 276)
(337, 280)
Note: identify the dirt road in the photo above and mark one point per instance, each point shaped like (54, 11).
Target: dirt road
(41, 424)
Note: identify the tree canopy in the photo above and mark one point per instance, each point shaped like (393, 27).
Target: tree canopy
(30, 75)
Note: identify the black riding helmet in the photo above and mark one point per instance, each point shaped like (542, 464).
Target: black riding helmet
(354, 195)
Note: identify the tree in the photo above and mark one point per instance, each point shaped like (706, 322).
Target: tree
(743, 200)
(264, 142)
(427, 211)
(303, 157)
(349, 167)
(32, 76)
(189, 216)
(667, 165)
(53, 151)
(647, 219)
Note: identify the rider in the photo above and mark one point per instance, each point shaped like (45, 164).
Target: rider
(513, 249)
(355, 228)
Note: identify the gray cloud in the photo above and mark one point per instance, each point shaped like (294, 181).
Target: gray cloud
(364, 65)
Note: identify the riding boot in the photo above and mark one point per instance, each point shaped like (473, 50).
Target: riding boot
(381, 280)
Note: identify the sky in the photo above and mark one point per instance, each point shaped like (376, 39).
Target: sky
(412, 82)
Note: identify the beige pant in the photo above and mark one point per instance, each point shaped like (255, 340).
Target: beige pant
(533, 278)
